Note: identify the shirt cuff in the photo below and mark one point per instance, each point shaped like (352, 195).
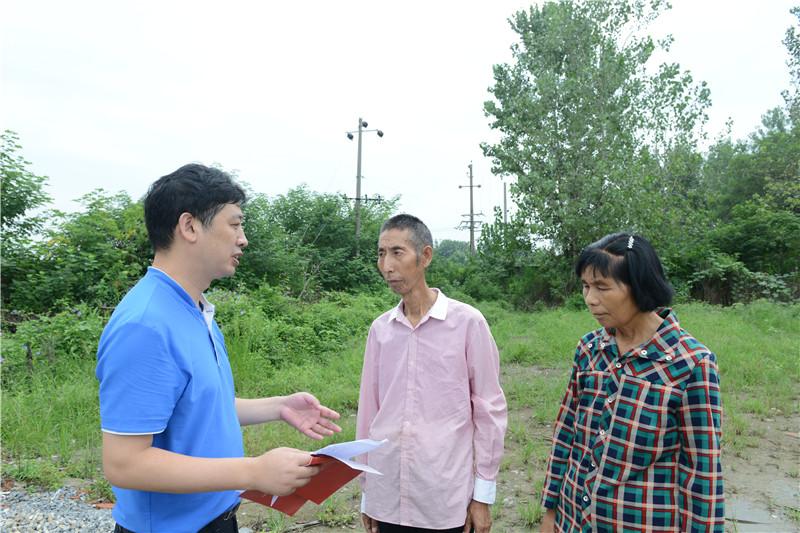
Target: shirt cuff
(363, 503)
(485, 491)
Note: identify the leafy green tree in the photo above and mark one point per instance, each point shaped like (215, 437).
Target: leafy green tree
(450, 267)
(764, 239)
(597, 142)
(92, 256)
(303, 242)
(792, 42)
(457, 251)
(21, 193)
(22, 190)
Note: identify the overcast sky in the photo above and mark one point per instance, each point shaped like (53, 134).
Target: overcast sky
(116, 94)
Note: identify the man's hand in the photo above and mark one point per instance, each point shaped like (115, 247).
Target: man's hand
(548, 522)
(282, 471)
(479, 517)
(303, 411)
(370, 524)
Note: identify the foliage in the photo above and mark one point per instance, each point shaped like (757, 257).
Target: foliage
(721, 279)
(303, 243)
(22, 190)
(93, 256)
(21, 194)
(764, 239)
(585, 128)
(792, 42)
(457, 251)
(48, 347)
(300, 243)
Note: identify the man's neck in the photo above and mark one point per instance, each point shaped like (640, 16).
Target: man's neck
(182, 276)
(418, 302)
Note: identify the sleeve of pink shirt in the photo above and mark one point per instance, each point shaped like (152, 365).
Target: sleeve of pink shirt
(368, 394)
(489, 410)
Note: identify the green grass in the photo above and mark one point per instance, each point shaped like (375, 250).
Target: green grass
(336, 512)
(50, 417)
(531, 513)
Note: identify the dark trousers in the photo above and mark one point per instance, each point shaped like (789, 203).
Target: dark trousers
(224, 523)
(384, 527)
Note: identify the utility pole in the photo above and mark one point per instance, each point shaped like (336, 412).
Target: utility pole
(358, 187)
(361, 125)
(472, 222)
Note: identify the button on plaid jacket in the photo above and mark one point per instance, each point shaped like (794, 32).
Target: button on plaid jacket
(636, 445)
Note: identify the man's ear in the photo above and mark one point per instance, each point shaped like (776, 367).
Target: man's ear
(427, 256)
(187, 227)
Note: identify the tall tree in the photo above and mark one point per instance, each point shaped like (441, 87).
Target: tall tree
(21, 194)
(792, 42)
(589, 131)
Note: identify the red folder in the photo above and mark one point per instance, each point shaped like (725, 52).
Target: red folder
(333, 475)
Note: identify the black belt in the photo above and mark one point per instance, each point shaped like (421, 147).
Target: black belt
(224, 523)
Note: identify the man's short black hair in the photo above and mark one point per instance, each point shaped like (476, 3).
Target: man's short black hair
(195, 189)
(629, 259)
(419, 233)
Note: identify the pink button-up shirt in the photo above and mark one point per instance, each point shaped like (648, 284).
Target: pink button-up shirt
(434, 392)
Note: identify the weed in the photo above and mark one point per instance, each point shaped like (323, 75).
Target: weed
(335, 513)
(274, 522)
(35, 472)
(100, 491)
(531, 512)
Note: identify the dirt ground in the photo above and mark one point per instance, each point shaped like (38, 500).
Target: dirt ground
(762, 489)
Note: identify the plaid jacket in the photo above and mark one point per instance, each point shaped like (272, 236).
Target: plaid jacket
(637, 440)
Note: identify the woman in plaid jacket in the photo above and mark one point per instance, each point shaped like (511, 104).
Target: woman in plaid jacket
(636, 445)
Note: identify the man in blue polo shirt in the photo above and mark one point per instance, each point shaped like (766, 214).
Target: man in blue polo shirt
(172, 443)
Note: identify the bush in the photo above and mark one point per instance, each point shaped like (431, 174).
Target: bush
(725, 280)
(48, 348)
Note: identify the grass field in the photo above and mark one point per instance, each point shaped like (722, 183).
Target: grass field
(50, 417)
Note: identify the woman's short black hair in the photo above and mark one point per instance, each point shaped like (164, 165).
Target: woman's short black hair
(195, 189)
(629, 259)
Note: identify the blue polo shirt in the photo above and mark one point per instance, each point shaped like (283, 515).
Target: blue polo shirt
(164, 371)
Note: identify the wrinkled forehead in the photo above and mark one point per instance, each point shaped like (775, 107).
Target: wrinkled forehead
(395, 238)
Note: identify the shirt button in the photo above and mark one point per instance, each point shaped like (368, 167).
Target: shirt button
(602, 432)
(586, 498)
(594, 465)
(602, 345)
(643, 352)
(610, 399)
(668, 358)
(618, 365)
(589, 345)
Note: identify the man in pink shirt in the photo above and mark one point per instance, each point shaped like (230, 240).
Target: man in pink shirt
(430, 386)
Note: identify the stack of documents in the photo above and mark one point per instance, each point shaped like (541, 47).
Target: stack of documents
(337, 468)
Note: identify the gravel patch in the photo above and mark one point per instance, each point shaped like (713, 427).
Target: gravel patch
(60, 511)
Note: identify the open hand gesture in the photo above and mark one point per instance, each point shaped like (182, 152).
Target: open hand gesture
(303, 411)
